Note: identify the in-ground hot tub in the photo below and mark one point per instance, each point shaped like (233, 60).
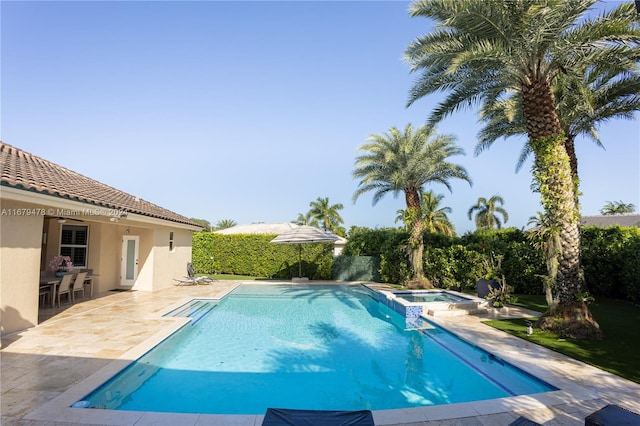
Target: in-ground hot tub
(417, 303)
(430, 296)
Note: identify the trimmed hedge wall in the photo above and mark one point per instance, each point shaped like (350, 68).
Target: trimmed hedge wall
(611, 261)
(254, 255)
(610, 258)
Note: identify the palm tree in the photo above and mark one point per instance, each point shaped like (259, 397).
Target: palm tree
(600, 94)
(327, 215)
(225, 223)
(406, 161)
(540, 220)
(617, 207)
(306, 219)
(482, 52)
(486, 215)
(434, 217)
(206, 226)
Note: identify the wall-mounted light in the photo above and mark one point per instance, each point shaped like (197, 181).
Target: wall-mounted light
(61, 220)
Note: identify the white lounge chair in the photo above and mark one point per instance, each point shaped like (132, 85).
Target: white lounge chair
(191, 279)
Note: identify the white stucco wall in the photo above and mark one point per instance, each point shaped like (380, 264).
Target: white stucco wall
(23, 254)
(20, 247)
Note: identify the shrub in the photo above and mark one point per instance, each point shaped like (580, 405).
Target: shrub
(610, 257)
(254, 255)
(611, 261)
(630, 274)
(455, 266)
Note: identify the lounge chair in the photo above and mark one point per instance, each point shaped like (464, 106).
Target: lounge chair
(286, 417)
(191, 279)
(612, 415)
(523, 421)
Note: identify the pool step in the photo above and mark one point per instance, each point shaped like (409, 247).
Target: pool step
(202, 313)
(196, 310)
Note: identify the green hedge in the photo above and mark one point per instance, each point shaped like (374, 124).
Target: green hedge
(611, 261)
(454, 267)
(610, 258)
(452, 262)
(387, 244)
(254, 255)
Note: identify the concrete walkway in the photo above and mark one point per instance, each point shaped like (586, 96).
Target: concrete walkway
(46, 368)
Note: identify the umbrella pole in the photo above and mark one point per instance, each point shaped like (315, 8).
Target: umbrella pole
(299, 260)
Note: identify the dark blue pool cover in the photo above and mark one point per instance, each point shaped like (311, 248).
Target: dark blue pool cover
(284, 417)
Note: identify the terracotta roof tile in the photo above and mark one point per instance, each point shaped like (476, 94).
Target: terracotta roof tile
(23, 170)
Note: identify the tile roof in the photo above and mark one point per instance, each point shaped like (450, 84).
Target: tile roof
(22, 170)
(611, 220)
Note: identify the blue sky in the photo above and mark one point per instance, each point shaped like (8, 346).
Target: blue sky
(251, 110)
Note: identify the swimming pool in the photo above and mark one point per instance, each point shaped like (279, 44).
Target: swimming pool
(311, 347)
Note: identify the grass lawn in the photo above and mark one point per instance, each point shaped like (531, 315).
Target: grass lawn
(223, 277)
(618, 352)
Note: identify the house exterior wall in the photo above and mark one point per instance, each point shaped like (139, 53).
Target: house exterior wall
(145, 278)
(20, 247)
(170, 264)
(161, 264)
(24, 252)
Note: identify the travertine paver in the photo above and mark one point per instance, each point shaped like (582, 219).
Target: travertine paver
(44, 369)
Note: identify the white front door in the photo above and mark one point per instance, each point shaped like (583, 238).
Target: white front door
(129, 261)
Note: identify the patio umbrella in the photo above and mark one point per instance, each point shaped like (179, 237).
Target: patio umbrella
(304, 235)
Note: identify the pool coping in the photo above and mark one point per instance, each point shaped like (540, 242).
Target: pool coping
(512, 349)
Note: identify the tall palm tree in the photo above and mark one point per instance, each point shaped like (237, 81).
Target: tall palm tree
(617, 207)
(434, 217)
(487, 212)
(481, 52)
(405, 161)
(601, 93)
(326, 214)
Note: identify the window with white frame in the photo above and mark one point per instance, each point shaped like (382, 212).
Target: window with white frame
(74, 242)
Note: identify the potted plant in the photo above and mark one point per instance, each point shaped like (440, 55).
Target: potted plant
(500, 295)
(490, 275)
(60, 265)
(493, 285)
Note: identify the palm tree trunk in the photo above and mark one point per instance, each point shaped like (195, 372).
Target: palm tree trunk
(556, 185)
(569, 145)
(416, 242)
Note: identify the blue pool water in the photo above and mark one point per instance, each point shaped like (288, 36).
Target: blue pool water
(306, 347)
